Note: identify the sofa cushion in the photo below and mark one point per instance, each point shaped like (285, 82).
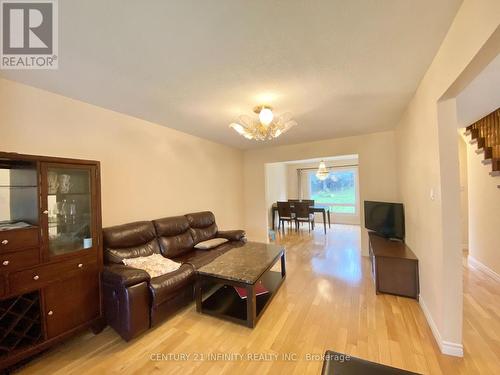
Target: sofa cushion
(155, 264)
(174, 236)
(130, 241)
(210, 244)
(202, 225)
(167, 286)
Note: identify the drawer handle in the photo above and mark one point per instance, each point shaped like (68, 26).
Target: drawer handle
(36, 277)
(46, 212)
(80, 265)
(5, 242)
(5, 262)
(50, 313)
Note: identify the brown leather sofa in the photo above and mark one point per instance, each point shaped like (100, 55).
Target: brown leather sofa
(133, 301)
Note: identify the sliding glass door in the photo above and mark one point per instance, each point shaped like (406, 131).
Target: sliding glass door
(339, 192)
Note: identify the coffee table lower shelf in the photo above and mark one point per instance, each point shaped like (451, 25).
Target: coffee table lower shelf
(225, 302)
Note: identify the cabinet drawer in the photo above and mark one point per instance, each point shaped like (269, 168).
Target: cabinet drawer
(17, 239)
(41, 276)
(10, 262)
(2, 285)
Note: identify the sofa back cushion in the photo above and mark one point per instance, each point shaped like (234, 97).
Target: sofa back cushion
(131, 240)
(174, 236)
(202, 225)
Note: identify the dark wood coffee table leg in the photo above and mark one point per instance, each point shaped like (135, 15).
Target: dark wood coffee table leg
(251, 306)
(283, 266)
(329, 226)
(324, 220)
(197, 295)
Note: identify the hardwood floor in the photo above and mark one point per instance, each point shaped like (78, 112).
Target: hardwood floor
(327, 302)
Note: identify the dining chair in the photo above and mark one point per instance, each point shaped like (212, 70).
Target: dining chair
(311, 204)
(303, 214)
(310, 201)
(285, 214)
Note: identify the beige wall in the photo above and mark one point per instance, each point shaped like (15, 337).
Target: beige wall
(428, 161)
(148, 171)
(484, 208)
(377, 173)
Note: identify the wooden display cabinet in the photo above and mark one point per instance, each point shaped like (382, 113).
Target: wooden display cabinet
(50, 252)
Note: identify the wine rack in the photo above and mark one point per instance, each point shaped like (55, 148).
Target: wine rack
(20, 323)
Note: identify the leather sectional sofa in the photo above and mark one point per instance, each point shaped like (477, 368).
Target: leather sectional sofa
(133, 301)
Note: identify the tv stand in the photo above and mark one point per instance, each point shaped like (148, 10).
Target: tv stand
(394, 267)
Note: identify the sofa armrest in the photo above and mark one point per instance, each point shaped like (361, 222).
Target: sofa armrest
(121, 275)
(232, 235)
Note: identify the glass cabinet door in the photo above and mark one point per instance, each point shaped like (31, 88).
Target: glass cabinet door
(69, 208)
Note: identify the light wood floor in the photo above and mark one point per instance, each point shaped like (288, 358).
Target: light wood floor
(327, 302)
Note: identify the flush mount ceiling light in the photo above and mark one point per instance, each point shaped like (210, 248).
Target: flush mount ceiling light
(322, 172)
(267, 126)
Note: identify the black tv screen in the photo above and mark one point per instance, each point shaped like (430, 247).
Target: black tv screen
(387, 219)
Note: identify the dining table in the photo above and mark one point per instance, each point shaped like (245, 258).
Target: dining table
(312, 209)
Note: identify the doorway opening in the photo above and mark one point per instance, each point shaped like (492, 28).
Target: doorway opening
(334, 200)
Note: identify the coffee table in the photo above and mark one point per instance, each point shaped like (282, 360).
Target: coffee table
(342, 364)
(243, 267)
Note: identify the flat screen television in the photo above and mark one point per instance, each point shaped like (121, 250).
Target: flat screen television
(386, 219)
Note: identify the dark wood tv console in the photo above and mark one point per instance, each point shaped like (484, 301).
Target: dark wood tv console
(394, 267)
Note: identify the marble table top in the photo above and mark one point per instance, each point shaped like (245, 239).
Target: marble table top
(244, 264)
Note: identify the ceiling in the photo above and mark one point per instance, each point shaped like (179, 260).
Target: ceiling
(341, 67)
(481, 96)
(353, 157)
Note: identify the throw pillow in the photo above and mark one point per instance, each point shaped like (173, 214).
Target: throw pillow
(210, 244)
(155, 264)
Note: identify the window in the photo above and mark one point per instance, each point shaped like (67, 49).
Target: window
(338, 190)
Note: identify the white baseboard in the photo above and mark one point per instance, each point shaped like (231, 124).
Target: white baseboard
(482, 267)
(452, 348)
(446, 347)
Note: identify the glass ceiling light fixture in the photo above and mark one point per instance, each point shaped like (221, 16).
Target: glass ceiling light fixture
(266, 116)
(322, 173)
(267, 126)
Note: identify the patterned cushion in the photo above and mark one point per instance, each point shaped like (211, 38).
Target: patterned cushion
(155, 264)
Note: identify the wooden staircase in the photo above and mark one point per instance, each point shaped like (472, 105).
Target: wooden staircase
(485, 133)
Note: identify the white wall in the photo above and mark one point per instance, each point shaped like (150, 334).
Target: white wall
(428, 161)
(377, 173)
(147, 170)
(276, 185)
